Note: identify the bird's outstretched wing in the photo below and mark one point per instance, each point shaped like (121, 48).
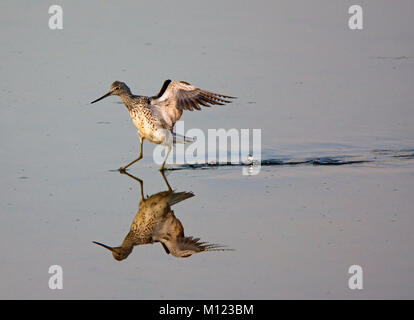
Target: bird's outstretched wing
(181, 95)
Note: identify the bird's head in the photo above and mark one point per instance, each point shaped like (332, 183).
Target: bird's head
(119, 253)
(117, 88)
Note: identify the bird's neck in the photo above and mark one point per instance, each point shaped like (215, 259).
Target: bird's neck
(126, 98)
(135, 238)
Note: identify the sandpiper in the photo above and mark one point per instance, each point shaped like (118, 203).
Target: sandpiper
(155, 116)
(155, 221)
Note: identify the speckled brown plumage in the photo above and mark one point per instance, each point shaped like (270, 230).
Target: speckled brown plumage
(156, 222)
(155, 117)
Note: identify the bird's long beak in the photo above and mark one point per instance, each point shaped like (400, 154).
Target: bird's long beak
(104, 245)
(104, 96)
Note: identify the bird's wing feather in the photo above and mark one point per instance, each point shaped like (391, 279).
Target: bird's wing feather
(176, 197)
(176, 96)
(186, 246)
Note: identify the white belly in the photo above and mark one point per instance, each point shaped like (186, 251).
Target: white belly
(148, 131)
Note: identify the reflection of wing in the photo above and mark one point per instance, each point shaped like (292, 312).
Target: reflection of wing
(176, 197)
(177, 96)
(186, 246)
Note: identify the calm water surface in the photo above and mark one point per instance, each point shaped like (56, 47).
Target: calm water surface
(335, 108)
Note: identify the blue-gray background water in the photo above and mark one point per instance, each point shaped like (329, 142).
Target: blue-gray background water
(321, 94)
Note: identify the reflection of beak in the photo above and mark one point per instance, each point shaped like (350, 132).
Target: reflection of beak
(104, 245)
(104, 96)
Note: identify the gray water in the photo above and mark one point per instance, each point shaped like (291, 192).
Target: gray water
(335, 109)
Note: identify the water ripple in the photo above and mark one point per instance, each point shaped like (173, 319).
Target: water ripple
(374, 156)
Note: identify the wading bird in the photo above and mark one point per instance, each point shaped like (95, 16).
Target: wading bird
(156, 116)
(156, 222)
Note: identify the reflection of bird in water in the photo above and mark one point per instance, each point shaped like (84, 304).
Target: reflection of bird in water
(156, 222)
(156, 116)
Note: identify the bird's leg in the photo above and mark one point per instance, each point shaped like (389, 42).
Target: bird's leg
(166, 156)
(141, 142)
(166, 181)
(141, 183)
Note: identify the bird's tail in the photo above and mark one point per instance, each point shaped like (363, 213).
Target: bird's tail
(178, 138)
(176, 197)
